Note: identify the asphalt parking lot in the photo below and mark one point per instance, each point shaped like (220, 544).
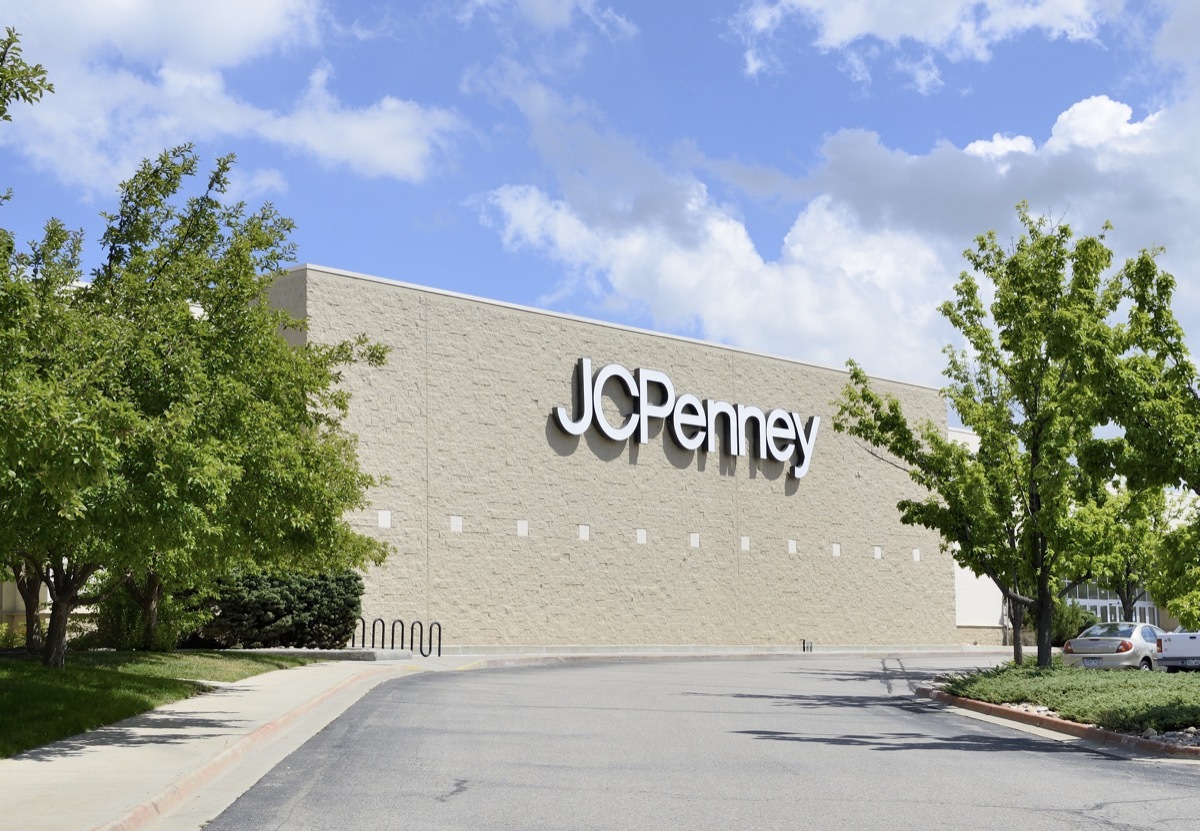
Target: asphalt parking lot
(803, 742)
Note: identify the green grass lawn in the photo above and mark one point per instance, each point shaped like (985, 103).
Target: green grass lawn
(40, 705)
(1118, 700)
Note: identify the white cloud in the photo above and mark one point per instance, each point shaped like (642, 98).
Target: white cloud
(134, 77)
(998, 146)
(1097, 122)
(552, 15)
(956, 29)
(393, 138)
(836, 291)
(101, 121)
(1098, 163)
(1136, 174)
(754, 62)
(643, 237)
(856, 64)
(547, 14)
(926, 78)
(1175, 42)
(877, 244)
(213, 34)
(253, 185)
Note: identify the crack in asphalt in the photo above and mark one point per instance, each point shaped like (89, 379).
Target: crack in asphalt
(460, 786)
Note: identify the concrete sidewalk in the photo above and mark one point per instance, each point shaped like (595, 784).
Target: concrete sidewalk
(180, 765)
(174, 760)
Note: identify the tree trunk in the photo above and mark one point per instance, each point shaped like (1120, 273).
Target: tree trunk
(65, 580)
(55, 651)
(1045, 619)
(1016, 616)
(1129, 595)
(151, 602)
(28, 578)
(29, 585)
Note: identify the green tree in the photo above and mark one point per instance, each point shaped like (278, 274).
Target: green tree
(1153, 394)
(1121, 534)
(1025, 383)
(19, 81)
(60, 433)
(207, 441)
(970, 497)
(1176, 583)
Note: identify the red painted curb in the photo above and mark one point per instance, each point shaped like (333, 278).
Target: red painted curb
(1058, 725)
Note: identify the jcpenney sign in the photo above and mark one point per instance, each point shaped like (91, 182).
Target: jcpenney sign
(777, 434)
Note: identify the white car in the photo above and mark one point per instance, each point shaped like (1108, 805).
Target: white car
(1114, 645)
(1179, 650)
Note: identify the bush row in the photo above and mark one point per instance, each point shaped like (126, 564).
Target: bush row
(250, 611)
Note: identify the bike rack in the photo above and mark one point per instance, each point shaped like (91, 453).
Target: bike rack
(416, 638)
(416, 635)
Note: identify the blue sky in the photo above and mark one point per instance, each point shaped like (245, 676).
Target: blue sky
(798, 177)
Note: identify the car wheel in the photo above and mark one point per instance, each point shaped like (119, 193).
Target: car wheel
(1145, 665)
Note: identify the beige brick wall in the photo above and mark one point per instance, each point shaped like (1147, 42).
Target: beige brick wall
(983, 635)
(460, 421)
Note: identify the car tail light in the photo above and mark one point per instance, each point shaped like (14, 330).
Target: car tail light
(1125, 646)
(1067, 648)
(1158, 644)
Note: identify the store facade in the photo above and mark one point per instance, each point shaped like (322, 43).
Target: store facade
(558, 482)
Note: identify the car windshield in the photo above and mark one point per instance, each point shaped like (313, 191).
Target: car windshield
(1109, 630)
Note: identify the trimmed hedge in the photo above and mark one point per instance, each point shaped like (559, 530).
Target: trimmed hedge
(286, 610)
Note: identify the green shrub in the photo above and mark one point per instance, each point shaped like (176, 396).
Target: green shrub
(258, 609)
(1070, 620)
(118, 621)
(1129, 700)
(12, 636)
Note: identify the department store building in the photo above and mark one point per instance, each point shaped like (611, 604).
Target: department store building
(555, 482)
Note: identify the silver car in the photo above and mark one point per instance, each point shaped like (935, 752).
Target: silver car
(1114, 646)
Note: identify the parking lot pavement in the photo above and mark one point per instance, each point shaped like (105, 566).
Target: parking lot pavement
(179, 765)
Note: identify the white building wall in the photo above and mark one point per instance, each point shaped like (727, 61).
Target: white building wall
(978, 603)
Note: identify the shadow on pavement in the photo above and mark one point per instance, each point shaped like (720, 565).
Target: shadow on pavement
(146, 729)
(818, 702)
(923, 741)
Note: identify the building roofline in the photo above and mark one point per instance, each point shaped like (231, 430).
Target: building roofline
(353, 275)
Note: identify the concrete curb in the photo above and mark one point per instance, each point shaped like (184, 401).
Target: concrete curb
(631, 657)
(531, 659)
(185, 786)
(1058, 725)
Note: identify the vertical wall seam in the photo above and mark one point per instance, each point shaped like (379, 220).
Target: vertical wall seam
(743, 626)
(426, 376)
